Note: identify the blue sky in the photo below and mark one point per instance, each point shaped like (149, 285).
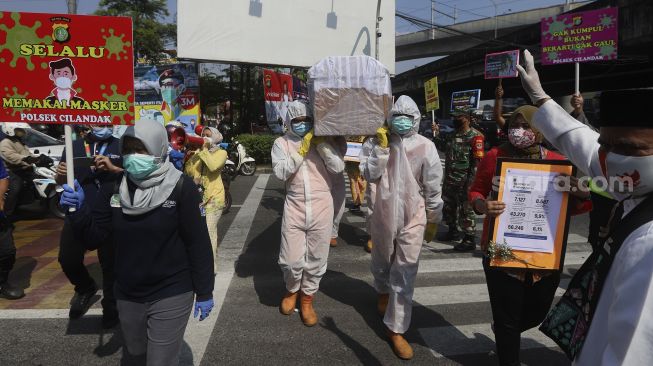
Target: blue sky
(464, 10)
(60, 6)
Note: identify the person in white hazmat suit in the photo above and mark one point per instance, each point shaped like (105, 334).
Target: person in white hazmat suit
(620, 332)
(407, 172)
(306, 164)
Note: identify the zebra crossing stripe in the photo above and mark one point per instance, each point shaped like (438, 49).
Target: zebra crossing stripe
(461, 294)
(474, 263)
(474, 339)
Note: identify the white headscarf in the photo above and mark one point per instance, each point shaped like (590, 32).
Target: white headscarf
(155, 189)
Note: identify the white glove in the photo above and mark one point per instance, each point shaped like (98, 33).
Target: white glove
(530, 80)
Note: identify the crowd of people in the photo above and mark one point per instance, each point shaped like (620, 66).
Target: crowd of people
(168, 198)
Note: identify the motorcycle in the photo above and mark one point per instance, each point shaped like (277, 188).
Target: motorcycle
(238, 162)
(48, 190)
(43, 188)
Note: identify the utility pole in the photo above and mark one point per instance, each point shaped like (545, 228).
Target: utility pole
(72, 6)
(378, 29)
(496, 20)
(432, 19)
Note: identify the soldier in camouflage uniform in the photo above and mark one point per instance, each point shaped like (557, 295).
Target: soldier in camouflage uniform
(463, 149)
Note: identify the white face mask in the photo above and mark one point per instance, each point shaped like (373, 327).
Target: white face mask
(63, 83)
(636, 172)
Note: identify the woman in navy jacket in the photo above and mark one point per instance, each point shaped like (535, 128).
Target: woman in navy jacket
(163, 252)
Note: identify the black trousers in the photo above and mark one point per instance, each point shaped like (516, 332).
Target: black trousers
(7, 250)
(16, 182)
(71, 258)
(516, 307)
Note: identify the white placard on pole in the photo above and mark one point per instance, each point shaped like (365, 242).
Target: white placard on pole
(70, 165)
(577, 80)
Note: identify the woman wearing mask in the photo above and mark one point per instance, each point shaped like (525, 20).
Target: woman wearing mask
(306, 164)
(163, 255)
(406, 169)
(205, 167)
(520, 299)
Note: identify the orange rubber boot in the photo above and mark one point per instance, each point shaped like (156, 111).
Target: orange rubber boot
(400, 346)
(382, 304)
(309, 317)
(288, 303)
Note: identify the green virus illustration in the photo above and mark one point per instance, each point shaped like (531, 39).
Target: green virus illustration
(556, 27)
(552, 56)
(609, 51)
(18, 35)
(115, 97)
(607, 21)
(115, 45)
(16, 95)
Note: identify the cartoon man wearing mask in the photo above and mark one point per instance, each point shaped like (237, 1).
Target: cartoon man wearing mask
(172, 87)
(62, 73)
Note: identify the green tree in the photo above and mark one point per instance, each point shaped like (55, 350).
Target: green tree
(150, 33)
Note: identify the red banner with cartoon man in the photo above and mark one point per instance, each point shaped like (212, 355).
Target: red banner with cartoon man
(278, 89)
(66, 69)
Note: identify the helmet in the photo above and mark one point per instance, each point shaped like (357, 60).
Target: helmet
(9, 128)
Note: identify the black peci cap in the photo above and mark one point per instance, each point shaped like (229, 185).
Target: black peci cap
(625, 108)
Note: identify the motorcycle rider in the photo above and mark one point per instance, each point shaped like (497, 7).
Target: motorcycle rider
(97, 162)
(19, 161)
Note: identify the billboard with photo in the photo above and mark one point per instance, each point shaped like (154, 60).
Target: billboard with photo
(168, 93)
(284, 32)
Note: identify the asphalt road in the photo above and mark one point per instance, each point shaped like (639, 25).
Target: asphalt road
(450, 326)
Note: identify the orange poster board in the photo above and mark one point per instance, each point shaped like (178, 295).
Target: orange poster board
(527, 217)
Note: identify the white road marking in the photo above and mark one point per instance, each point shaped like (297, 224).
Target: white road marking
(461, 294)
(474, 338)
(474, 263)
(198, 333)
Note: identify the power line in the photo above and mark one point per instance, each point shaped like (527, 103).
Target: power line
(451, 31)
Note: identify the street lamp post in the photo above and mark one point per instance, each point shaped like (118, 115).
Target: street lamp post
(378, 29)
(496, 20)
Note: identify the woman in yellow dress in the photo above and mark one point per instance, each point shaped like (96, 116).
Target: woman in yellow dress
(205, 167)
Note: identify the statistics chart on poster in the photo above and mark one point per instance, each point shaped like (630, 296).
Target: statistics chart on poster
(532, 209)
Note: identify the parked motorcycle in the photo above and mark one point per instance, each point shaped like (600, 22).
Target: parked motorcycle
(238, 161)
(43, 188)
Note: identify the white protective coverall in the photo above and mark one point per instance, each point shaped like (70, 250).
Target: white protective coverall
(370, 192)
(339, 193)
(308, 209)
(621, 332)
(408, 177)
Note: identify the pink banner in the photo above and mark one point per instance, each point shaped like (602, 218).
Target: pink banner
(580, 37)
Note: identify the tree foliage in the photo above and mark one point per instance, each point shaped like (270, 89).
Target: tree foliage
(150, 32)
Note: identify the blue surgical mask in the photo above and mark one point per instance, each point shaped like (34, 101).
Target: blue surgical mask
(140, 166)
(169, 95)
(101, 133)
(402, 124)
(302, 128)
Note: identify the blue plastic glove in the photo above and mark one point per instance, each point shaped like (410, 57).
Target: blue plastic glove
(224, 145)
(177, 159)
(72, 198)
(205, 307)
